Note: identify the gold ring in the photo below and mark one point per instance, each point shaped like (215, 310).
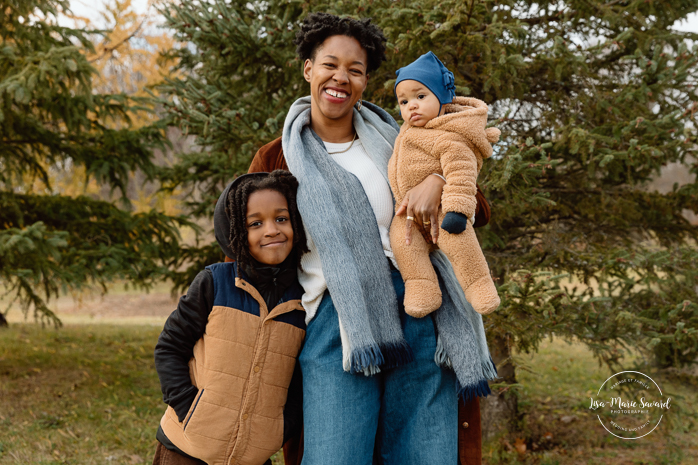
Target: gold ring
(411, 218)
(426, 222)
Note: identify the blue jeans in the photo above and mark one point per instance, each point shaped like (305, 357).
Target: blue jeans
(407, 415)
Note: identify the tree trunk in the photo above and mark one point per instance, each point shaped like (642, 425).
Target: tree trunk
(499, 411)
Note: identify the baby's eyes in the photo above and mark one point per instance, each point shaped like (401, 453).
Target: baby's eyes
(419, 97)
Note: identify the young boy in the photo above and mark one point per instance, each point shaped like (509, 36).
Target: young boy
(445, 135)
(227, 354)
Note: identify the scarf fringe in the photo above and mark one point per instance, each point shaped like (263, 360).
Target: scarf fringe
(489, 369)
(362, 360)
(397, 354)
(441, 358)
(370, 360)
(479, 389)
(371, 371)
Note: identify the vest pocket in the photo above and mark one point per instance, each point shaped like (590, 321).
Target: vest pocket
(193, 409)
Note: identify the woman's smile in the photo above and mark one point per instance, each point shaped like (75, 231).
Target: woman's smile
(336, 94)
(337, 77)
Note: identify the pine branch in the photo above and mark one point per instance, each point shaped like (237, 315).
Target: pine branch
(109, 50)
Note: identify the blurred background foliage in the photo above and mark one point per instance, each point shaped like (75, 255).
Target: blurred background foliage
(77, 130)
(594, 98)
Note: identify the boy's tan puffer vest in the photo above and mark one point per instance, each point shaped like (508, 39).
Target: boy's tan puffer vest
(242, 367)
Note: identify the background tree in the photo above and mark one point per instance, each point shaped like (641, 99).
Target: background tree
(52, 118)
(594, 98)
(128, 59)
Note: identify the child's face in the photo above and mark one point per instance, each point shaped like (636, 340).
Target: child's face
(418, 105)
(269, 230)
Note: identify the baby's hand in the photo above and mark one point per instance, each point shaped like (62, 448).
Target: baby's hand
(454, 222)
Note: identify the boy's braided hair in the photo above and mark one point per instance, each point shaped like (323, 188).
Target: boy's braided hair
(317, 27)
(280, 181)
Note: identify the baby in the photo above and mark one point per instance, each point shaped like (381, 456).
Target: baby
(445, 135)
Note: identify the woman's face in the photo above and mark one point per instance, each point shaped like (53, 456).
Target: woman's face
(337, 77)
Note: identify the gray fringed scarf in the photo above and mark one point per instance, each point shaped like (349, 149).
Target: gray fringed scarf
(341, 222)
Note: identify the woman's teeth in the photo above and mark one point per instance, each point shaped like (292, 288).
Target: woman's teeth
(335, 94)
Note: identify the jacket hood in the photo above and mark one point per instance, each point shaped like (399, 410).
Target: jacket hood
(221, 220)
(468, 116)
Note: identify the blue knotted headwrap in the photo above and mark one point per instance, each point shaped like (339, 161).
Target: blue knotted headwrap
(429, 71)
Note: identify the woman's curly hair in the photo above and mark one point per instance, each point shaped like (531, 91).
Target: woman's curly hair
(317, 27)
(280, 181)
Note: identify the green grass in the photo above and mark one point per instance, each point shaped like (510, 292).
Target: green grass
(89, 394)
(78, 395)
(557, 426)
(83, 394)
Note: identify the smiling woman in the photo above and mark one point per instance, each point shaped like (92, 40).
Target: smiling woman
(371, 387)
(337, 77)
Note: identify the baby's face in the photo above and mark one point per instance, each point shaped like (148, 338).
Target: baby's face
(418, 105)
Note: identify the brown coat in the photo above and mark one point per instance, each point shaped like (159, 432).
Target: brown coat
(269, 158)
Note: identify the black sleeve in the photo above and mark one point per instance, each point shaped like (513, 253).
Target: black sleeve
(175, 346)
(293, 411)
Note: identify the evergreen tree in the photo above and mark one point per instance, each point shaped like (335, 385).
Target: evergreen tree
(593, 98)
(51, 118)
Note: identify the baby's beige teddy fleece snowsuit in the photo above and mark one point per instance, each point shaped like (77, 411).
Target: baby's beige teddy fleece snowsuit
(453, 145)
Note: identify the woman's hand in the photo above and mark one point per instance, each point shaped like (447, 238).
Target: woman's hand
(421, 204)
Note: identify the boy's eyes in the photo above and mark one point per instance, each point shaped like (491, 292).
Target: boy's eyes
(280, 219)
(421, 96)
(403, 102)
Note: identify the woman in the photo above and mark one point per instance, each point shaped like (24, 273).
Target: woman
(370, 383)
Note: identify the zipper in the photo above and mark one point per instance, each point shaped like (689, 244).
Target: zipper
(254, 358)
(245, 389)
(198, 398)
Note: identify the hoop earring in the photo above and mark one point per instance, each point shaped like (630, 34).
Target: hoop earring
(359, 106)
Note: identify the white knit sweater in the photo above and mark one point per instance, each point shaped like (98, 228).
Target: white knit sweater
(356, 161)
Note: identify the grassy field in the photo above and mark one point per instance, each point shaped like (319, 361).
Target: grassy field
(82, 394)
(79, 395)
(557, 426)
(89, 394)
